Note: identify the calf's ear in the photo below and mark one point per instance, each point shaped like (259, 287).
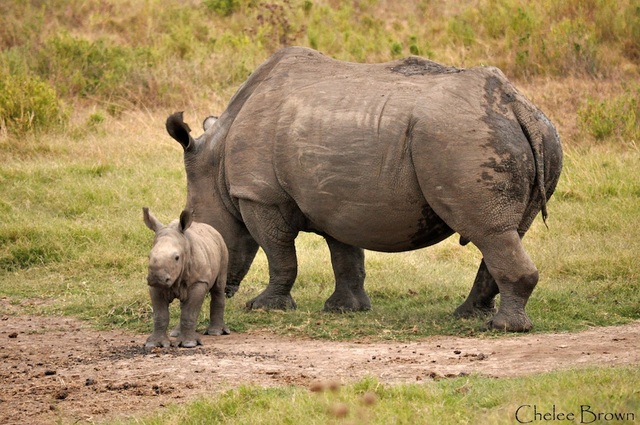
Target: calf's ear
(185, 220)
(179, 130)
(151, 222)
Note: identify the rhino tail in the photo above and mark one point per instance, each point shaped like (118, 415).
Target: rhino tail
(533, 128)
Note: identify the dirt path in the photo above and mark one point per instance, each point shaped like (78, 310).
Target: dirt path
(56, 368)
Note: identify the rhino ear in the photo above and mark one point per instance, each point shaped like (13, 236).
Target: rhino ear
(179, 130)
(151, 222)
(208, 122)
(186, 218)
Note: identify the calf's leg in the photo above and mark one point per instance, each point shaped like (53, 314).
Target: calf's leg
(189, 312)
(160, 306)
(216, 310)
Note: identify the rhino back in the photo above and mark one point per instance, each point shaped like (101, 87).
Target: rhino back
(336, 138)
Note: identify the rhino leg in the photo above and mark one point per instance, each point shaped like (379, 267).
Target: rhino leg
(516, 277)
(276, 236)
(242, 251)
(216, 310)
(348, 268)
(481, 299)
(175, 331)
(160, 306)
(189, 311)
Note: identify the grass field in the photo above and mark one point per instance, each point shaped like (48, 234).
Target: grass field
(85, 87)
(466, 400)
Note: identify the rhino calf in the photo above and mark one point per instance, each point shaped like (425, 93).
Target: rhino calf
(187, 260)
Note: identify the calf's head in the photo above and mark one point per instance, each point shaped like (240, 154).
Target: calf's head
(168, 255)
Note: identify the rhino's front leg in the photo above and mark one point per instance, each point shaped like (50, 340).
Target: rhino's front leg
(160, 305)
(242, 250)
(189, 312)
(276, 235)
(481, 299)
(348, 269)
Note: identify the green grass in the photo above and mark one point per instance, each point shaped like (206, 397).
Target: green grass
(462, 400)
(72, 239)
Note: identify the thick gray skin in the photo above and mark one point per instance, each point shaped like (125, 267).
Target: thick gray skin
(387, 157)
(187, 260)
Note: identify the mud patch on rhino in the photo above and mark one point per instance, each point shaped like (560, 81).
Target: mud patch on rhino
(418, 66)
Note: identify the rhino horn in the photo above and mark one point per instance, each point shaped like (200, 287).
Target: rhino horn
(208, 122)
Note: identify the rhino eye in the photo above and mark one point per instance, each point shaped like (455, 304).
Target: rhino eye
(177, 258)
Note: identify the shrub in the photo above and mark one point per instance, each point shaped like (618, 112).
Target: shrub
(28, 103)
(222, 7)
(617, 117)
(81, 67)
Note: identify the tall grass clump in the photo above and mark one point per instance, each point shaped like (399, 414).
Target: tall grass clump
(28, 103)
(617, 117)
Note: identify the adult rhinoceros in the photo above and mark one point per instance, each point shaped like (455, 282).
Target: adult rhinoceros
(387, 157)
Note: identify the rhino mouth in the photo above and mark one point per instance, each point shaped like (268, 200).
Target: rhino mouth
(159, 281)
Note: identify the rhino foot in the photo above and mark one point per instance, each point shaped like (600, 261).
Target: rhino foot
(230, 290)
(187, 341)
(217, 331)
(272, 302)
(346, 302)
(510, 323)
(157, 341)
(470, 311)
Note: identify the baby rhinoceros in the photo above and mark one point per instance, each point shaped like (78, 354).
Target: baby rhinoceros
(187, 260)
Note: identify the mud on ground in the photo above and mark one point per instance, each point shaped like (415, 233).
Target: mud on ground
(56, 368)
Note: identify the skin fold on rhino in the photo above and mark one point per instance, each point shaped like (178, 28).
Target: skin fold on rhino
(388, 157)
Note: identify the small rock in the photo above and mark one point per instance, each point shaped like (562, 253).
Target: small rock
(13, 335)
(61, 395)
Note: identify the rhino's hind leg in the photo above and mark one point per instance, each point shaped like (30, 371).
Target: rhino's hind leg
(348, 268)
(216, 309)
(516, 277)
(276, 237)
(481, 299)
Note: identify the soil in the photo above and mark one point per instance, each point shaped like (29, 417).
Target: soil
(59, 370)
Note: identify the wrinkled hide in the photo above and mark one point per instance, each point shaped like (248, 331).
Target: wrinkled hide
(389, 157)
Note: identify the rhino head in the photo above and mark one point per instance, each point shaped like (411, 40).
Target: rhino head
(207, 195)
(168, 255)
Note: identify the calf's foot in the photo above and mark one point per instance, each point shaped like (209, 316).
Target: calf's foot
(187, 340)
(157, 340)
(217, 330)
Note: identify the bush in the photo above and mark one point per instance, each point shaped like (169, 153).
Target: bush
(28, 103)
(80, 67)
(618, 117)
(222, 7)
